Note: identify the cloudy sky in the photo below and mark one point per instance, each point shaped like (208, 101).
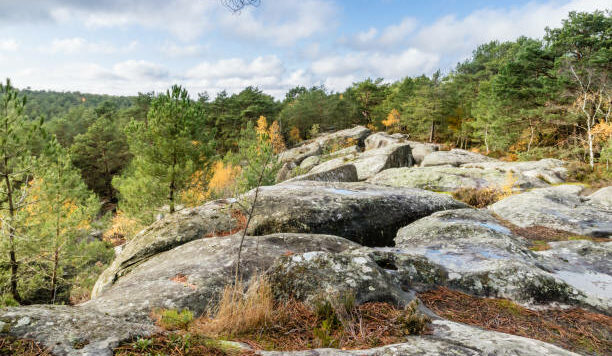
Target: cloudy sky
(127, 46)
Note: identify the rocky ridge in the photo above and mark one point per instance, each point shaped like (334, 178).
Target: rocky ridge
(362, 217)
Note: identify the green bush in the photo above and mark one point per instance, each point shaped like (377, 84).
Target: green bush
(172, 319)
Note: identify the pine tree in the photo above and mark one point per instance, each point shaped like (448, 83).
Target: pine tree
(16, 139)
(167, 150)
(60, 208)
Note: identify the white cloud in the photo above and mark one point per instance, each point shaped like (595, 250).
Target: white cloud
(140, 70)
(454, 36)
(268, 66)
(281, 22)
(387, 38)
(9, 45)
(79, 45)
(377, 64)
(174, 50)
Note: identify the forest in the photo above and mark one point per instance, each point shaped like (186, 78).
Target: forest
(83, 173)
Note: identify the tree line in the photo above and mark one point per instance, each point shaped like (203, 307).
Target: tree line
(81, 173)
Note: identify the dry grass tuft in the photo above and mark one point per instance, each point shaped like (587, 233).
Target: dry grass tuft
(482, 197)
(478, 198)
(575, 329)
(540, 236)
(23, 347)
(238, 311)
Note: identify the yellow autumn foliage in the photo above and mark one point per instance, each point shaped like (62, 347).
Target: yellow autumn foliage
(294, 135)
(122, 228)
(276, 138)
(223, 180)
(392, 120)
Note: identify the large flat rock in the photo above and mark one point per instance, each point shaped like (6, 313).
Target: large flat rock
(448, 178)
(454, 157)
(370, 162)
(550, 170)
(365, 213)
(67, 330)
(469, 250)
(560, 207)
(193, 275)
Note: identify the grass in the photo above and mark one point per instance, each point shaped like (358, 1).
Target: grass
(482, 197)
(540, 236)
(574, 329)
(23, 347)
(251, 315)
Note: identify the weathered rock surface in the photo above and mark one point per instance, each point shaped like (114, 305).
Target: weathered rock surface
(318, 275)
(449, 338)
(602, 197)
(361, 212)
(357, 133)
(585, 265)
(316, 146)
(210, 219)
(297, 154)
(382, 139)
(454, 157)
(449, 178)
(469, 250)
(194, 274)
(365, 213)
(285, 172)
(70, 330)
(370, 162)
(344, 173)
(549, 170)
(560, 207)
(310, 162)
(421, 150)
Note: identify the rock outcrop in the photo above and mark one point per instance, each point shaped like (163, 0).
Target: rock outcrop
(318, 275)
(602, 197)
(448, 178)
(470, 250)
(560, 207)
(69, 330)
(454, 157)
(326, 233)
(370, 162)
(194, 274)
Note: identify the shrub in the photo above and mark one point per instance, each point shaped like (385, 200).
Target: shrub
(478, 198)
(172, 319)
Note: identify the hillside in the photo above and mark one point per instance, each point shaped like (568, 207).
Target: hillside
(366, 219)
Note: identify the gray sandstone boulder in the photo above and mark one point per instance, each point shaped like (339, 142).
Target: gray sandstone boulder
(211, 219)
(67, 330)
(382, 139)
(310, 162)
(469, 250)
(360, 212)
(560, 207)
(585, 265)
(344, 173)
(421, 150)
(318, 275)
(368, 163)
(454, 157)
(448, 178)
(297, 154)
(365, 213)
(602, 197)
(548, 170)
(193, 275)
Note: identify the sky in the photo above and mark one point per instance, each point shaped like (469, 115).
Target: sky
(123, 47)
